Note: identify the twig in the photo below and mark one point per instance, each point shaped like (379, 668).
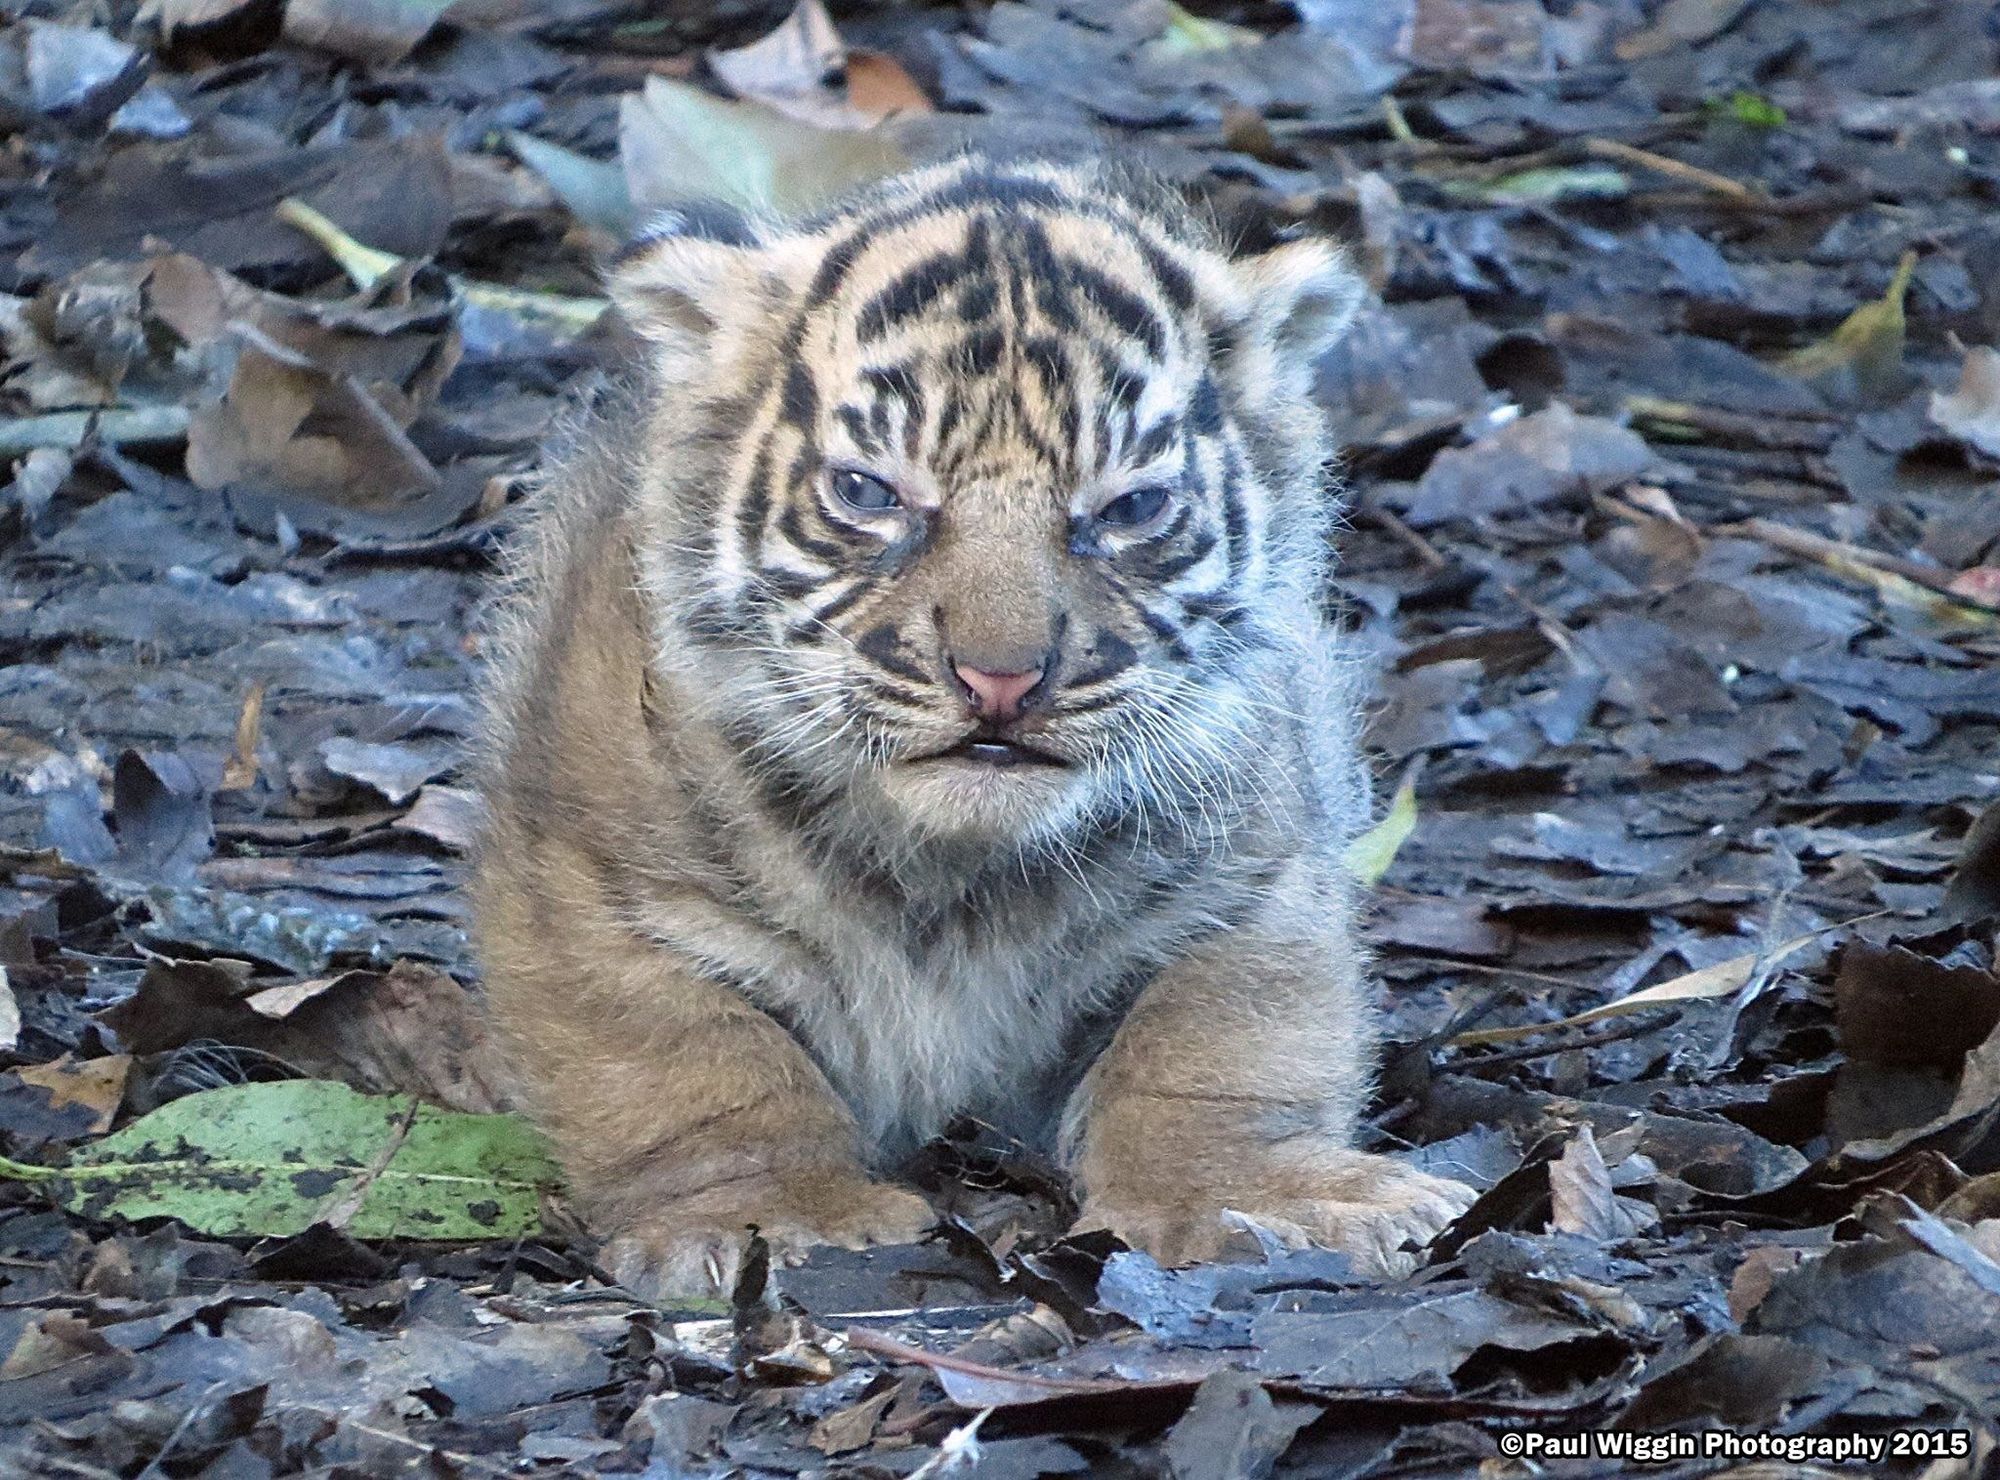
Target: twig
(1856, 561)
(1773, 433)
(123, 426)
(1546, 621)
(340, 1209)
(1399, 126)
(433, 1452)
(365, 266)
(1618, 1033)
(1661, 164)
(1454, 964)
(1424, 549)
(862, 1338)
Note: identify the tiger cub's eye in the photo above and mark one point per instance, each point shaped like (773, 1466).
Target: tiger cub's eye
(864, 491)
(1129, 510)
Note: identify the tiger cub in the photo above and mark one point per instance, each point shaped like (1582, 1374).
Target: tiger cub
(914, 703)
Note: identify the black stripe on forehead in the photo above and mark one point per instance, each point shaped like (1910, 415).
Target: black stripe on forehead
(1012, 195)
(860, 427)
(1155, 439)
(1038, 265)
(912, 291)
(799, 402)
(1127, 312)
(909, 293)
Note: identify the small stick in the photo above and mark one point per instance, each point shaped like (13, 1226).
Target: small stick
(1637, 1026)
(1793, 434)
(880, 1344)
(1425, 550)
(1399, 126)
(1660, 164)
(1831, 201)
(1550, 626)
(1838, 555)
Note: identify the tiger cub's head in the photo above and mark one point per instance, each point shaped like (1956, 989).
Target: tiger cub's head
(989, 500)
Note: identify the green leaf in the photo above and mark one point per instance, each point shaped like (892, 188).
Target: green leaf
(1747, 108)
(1188, 34)
(1866, 347)
(1369, 856)
(270, 1160)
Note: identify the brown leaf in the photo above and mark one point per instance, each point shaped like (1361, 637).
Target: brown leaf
(444, 814)
(1896, 1007)
(1757, 1273)
(50, 1342)
(853, 1427)
(321, 397)
(678, 143)
(373, 31)
(239, 772)
(1972, 411)
(1580, 1186)
(879, 88)
(1981, 584)
(410, 1030)
(97, 1085)
(1681, 22)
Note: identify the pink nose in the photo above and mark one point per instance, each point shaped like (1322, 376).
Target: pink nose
(997, 696)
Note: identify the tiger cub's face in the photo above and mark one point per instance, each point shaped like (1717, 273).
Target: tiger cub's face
(1009, 472)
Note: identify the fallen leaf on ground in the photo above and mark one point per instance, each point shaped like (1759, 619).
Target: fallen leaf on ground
(677, 144)
(1719, 980)
(377, 31)
(1370, 855)
(268, 1160)
(1971, 412)
(1863, 357)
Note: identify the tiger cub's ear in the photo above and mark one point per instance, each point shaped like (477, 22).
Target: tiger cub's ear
(1294, 301)
(700, 277)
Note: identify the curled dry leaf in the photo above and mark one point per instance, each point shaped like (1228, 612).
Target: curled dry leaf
(1971, 413)
(677, 143)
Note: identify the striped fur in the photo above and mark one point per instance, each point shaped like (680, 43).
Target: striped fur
(724, 687)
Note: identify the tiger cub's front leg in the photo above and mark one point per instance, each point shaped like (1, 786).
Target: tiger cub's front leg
(683, 1114)
(1236, 1084)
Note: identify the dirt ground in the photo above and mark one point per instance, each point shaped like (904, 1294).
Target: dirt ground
(1674, 490)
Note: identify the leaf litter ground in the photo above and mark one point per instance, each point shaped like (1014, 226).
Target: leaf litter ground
(1675, 540)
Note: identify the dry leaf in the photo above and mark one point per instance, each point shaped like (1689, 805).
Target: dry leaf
(1719, 980)
(879, 88)
(96, 1084)
(445, 814)
(1972, 411)
(1865, 352)
(239, 772)
(1583, 1201)
(374, 31)
(678, 143)
(10, 1015)
(795, 68)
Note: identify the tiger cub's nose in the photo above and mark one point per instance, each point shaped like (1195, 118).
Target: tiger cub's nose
(996, 696)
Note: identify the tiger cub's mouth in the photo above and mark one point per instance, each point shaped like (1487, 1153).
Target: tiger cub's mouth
(995, 751)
